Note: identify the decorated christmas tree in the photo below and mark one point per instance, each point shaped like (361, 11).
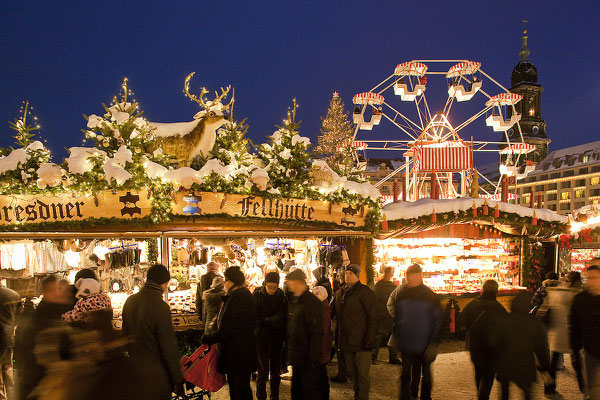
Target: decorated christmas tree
(335, 144)
(27, 168)
(286, 158)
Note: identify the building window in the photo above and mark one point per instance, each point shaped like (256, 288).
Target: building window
(595, 180)
(565, 196)
(565, 185)
(583, 170)
(569, 173)
(579, 204)
(585, 159)
(552, 207)
(552, 186)
(595, 192)
(565, 206)
(580, 194)
(526, 198)
(543, 177)
(580, 182)
(551, 197)
(385, 190)
(539, 188)
(596, 168)
(555, 175)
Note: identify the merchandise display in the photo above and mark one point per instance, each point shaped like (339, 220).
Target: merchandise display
(580, 258)
(451, 265)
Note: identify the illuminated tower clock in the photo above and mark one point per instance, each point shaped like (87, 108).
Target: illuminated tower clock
(524, 81)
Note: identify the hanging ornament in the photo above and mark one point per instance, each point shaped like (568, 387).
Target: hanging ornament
(292, 173)
(137, 150)
(105, 143)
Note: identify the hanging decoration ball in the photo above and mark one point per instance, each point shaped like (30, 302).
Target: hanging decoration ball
(40, 162)
(64, 177)
(137, 150)
(293, 173)
(105, 143)
(149, 136)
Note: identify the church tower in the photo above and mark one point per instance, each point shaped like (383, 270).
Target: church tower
(524, 81)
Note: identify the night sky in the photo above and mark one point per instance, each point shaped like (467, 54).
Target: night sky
(69, 57)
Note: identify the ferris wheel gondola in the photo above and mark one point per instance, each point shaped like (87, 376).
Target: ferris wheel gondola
(434, 152)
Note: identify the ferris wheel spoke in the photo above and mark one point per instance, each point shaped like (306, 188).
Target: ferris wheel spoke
(493, 80)
(472, 119)
(403, 116)
(400, 127)
(383, 82)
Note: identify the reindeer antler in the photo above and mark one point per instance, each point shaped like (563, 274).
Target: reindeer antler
(203, 91)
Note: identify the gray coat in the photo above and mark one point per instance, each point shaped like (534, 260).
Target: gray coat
(211, 304)
(147, 320)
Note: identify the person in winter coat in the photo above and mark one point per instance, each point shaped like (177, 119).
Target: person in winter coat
(211, 302)
(271, 314)
(234, 335)
(9, 301)
(147, 321)
(206, 280)
(383, 289)
(90, 299)
(521, 338)
(305, 339)
(539, 307)
(321, 293)
(342, 373)
(320, 275)
(585, 330)
(477, 317)
(560, 299)
(46, 315)
(417, 325)
(356, 308)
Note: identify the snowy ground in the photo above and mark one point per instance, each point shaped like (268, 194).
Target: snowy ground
(453, 380)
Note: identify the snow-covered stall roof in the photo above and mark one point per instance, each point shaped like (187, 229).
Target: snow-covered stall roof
(570, 157)
(411, 211)
(168, 129)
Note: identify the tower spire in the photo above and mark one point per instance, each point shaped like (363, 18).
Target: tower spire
(524, 53)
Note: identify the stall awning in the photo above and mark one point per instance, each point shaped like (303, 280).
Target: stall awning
(448, 156)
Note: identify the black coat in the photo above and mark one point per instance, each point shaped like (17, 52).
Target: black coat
(356, 310)
(234, 333)
(585, 323)
(9, 300)
(147, 320)
(305, 330)
(271, 316)
(203, 286)
(522, 339)
(477, 318)
(383, 289)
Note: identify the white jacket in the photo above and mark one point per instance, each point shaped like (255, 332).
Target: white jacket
(560, 299)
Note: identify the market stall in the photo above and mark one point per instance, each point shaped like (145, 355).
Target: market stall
(462, 242)
(582, 243)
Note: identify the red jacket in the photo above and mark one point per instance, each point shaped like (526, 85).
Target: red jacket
(326, 344)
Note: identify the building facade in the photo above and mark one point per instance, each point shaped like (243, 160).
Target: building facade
(567, 179)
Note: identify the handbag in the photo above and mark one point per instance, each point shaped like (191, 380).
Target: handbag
(201, 369)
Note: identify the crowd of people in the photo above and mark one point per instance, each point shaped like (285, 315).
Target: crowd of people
(67, 348)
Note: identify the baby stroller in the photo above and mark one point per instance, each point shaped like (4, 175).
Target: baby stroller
(200, 374)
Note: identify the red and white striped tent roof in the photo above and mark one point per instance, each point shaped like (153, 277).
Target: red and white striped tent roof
(368, 98)
(463, 68)
(448, 156)
(498, 196)
(518, 148)
(410, 68)
(504, 99)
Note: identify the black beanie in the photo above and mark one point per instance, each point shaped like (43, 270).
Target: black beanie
(272, 277)
(235, 275)
(85, 274)
(158, 274)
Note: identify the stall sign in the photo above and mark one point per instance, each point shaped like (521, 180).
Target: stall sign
(207, 203)
(22, 209)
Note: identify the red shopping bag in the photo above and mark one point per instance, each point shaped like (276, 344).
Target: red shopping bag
(201, 369)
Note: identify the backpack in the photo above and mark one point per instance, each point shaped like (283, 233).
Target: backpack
(201, 369)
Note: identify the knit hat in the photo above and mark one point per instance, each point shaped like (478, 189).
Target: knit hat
(158, 274)
(85, 273)
(414, 269)
(272, 277)
(296, 275)
(355, 269)
(86, 287)
(320, 292)
(235, 275)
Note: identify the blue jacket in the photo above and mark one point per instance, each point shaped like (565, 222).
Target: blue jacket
(417, 317)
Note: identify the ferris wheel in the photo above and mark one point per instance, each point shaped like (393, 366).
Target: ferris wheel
(438, 163)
